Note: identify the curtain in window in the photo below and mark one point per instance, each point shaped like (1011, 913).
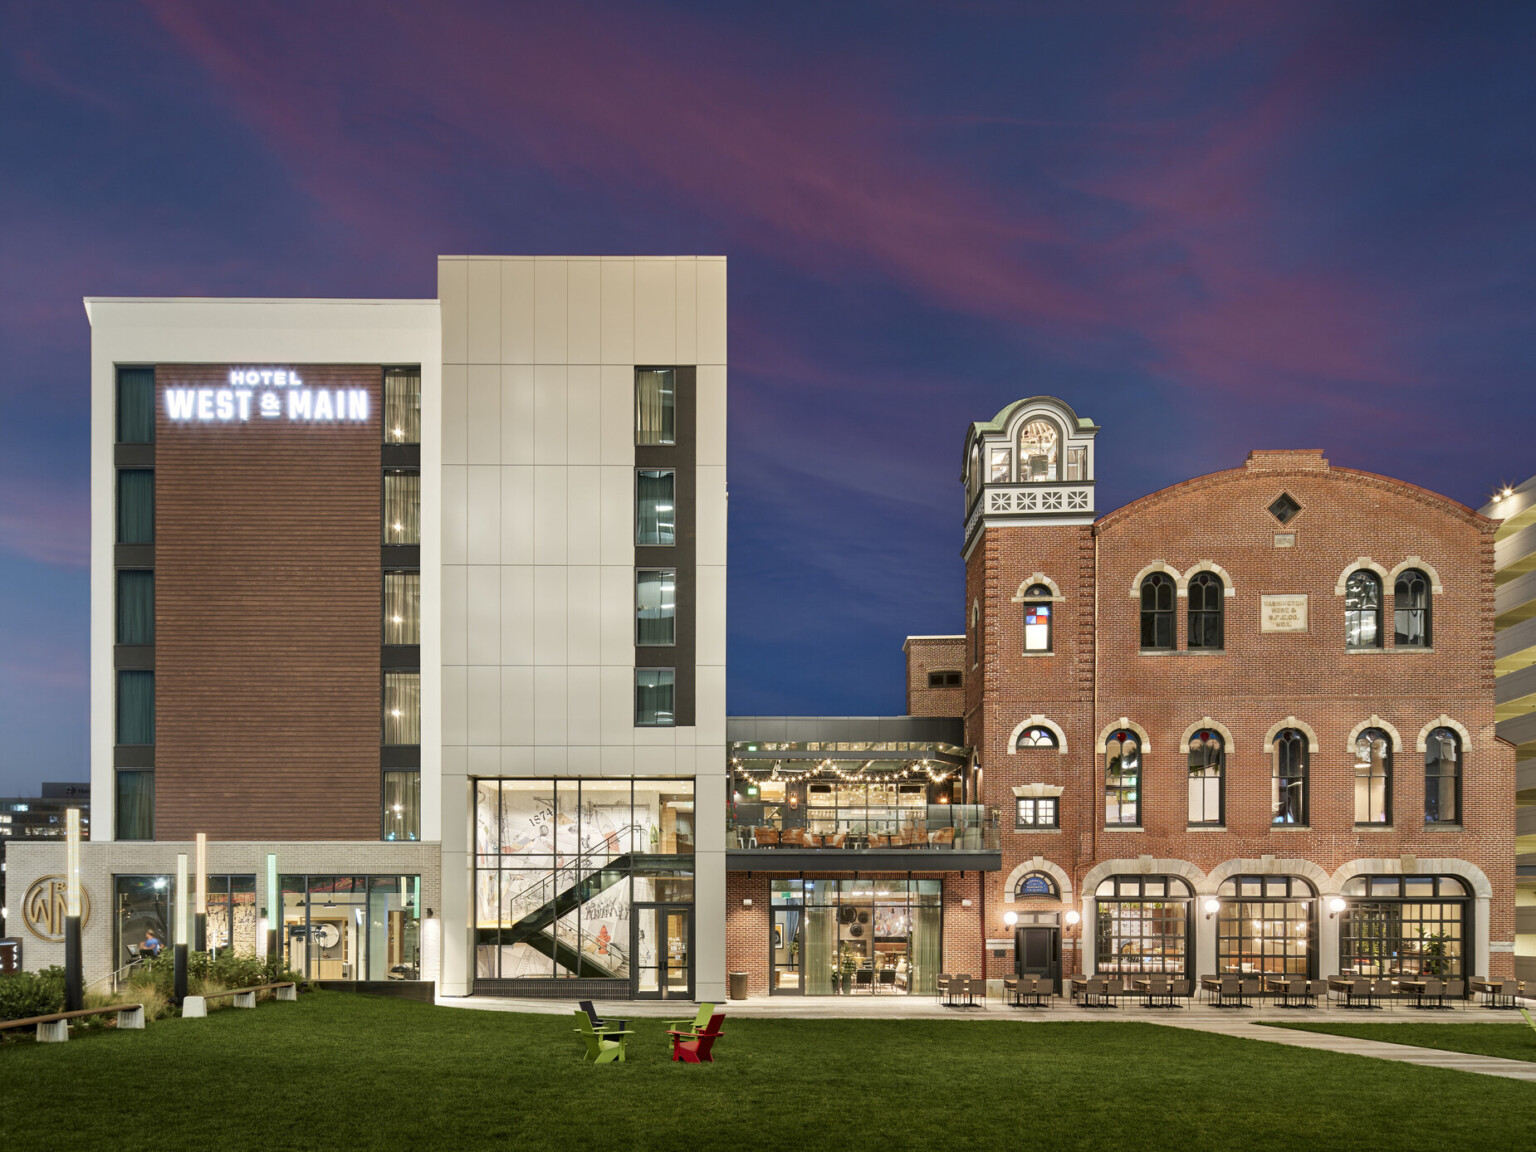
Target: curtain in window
(402, 406)
(402, 708)
(653, 696)
(819, 941)
(135, 405)
(655, 512)
(402, 805)
(135, 707)
(402, 607)
(1442, 777)
(1362, 610)
(1288, 779)
(135, 607)
(1373, 778)
(1410, 614)
(655, 406)
(656, 607)
(135, 506)
(402, 507)
(927, 938)
(135, 805)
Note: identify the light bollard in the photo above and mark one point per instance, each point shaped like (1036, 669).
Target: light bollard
(274, 906)
(200, 912)
(74, 988)
(180, 990)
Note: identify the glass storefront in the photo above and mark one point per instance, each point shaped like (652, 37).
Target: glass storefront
(1267, 924)
(232, 914)
(1143, 926)
(875, 936)
(352, 927)
(143, 907)
(585, 879)
(1404, 926)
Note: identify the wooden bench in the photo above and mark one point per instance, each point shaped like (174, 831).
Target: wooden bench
(54, 1029)
(194, 1006)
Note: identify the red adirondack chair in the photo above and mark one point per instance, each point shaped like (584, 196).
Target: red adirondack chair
(693, 1047)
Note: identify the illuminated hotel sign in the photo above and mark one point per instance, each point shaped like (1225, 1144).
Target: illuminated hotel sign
(266, 394)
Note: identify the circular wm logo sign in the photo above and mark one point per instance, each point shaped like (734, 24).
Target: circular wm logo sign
(44, 907)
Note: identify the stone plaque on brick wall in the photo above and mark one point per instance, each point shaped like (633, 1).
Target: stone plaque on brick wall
(1283, 613)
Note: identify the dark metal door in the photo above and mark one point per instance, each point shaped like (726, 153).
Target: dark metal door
(1037, 952)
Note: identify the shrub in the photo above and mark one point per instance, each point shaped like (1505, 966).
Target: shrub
(24, 994)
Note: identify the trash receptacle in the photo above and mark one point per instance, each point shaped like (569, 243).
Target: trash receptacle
(738, 985)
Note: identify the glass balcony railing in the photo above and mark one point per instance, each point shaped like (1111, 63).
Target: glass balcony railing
(922, 828)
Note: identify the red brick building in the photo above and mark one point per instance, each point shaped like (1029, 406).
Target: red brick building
(1241, 725)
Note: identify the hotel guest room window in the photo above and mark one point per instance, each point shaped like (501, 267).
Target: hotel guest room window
(402, 507)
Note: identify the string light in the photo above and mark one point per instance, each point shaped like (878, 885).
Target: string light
(865, 773)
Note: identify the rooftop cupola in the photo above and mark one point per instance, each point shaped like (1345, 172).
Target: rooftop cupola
(1030, 464)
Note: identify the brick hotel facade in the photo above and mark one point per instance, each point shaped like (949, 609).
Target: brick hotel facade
(417, 609)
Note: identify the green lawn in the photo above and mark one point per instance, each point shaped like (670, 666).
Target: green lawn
(343, 1071)
(1512, 1041)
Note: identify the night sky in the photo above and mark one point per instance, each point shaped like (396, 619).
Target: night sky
(1209, 227)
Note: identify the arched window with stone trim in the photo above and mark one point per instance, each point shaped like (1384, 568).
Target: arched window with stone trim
(1037, 886)
(1289, 763)
(1122, 779)
(1207, 777)
(1207, 596)
(1362, 609)
(1039, 451)
(1410, 609)
(1373, 777)
(1036, 736)
(1157, 597)
(1037, 619)
(1442, 777)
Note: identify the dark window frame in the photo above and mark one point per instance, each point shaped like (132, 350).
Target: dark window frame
(1290, 777)
(1207, 612)
(1434, 773)
(1038, 807)
(1159, 621)
(642, 570)
(1125, 791)
(943, 679)
(1036, 597)
(657, 723)
(1360, 615)
(1207, 751)
(1418, 618)
(1051, 739)
(1363, 759)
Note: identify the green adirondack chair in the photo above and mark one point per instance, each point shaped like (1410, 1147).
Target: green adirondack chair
(693, 1023)
(602, 1047)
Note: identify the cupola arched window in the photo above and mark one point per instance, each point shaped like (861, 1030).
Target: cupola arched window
(1362, 610)
(1442, 777)
(1122, 778)
(1288, 778)
(1039, 451)
(1034, 885)
(1207, 594)
(1037, 618)
(1207, 763)
(1410, 609)
(1373, 777)
(1157, 595)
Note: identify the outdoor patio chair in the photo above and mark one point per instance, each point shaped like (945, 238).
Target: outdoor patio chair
(1230, 993)
(792, 838)
(1183, 989)
(602, 1047)
(1253, 987)
(1455, 989)
(767, 837)
(693, 1023)
(941, 985)
(598, 1023)
(696, 1046)
(1158, 988)
(943, 838)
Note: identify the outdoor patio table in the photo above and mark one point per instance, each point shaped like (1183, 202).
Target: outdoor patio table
(1210, 985)
(1079, 987)
(961, 984)
(1419, 990)
(1495, 993)
(1289, 997)
(1163, 994)
(1346, 987)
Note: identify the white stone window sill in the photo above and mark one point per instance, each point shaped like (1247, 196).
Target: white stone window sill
(1037, 653)
(1205, 828)
(1290, 827)
(1123, 828)
(1181, 651)
(1348, 651)
(1374, 828)
(1444, 828)
(1038, 831)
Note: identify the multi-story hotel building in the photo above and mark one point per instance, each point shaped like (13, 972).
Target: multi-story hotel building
(417, 610)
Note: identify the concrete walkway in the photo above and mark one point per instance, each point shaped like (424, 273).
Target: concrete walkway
(1244, 1023)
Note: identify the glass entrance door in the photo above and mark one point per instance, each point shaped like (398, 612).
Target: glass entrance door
(663, 949)
(784, 953)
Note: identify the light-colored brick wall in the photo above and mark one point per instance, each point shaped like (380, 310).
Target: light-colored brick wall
(101, 862)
